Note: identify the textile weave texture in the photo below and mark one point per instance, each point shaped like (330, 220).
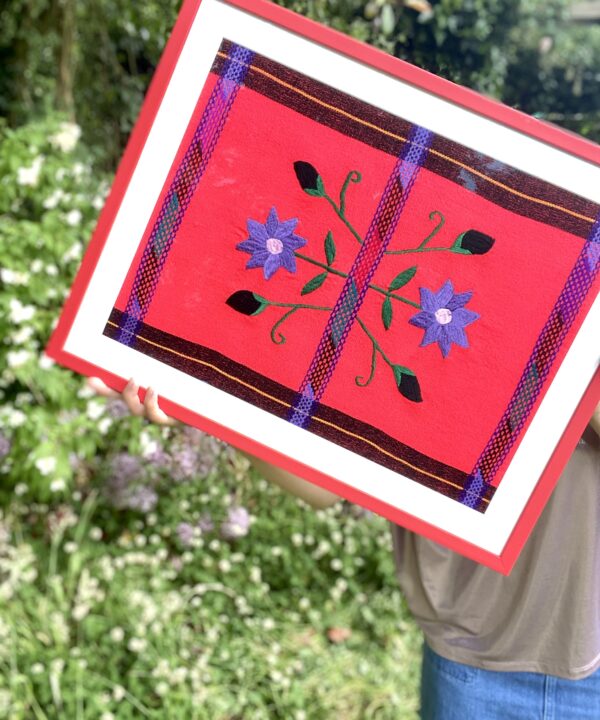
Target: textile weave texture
(361, 277)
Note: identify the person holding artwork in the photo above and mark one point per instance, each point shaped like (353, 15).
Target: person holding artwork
(522, 647)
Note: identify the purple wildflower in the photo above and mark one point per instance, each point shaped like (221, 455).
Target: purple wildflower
(444, 317)
(116, 408)
(125, 467)
(237, 523)
(185, 531)
(159, 459)
(272, 244)
(5, 446)
(205, 523)
(184, 463)
(142, 498)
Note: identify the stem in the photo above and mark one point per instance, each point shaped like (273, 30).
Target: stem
(353, 176)
(359, 378)
(297, 306)
(345, 275)
(281, 338)
(416, 250)
(376, 345)
(340, 213)
(395, 297)
(432, 234)
(436, 229)
(321, 265)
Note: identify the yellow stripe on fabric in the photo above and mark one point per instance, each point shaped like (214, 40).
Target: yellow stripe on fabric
(383, 131)
(287, 405)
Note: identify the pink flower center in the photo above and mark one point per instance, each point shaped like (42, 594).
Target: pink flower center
(443, 316)
(274, 246)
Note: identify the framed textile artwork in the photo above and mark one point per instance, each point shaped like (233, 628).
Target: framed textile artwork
(365, 274)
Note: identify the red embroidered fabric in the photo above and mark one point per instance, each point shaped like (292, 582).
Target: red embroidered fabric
(469, 281)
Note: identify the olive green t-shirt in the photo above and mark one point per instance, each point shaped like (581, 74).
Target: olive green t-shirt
(545, 616)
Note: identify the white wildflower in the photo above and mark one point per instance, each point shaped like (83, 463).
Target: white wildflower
(46, 362)
(58, 485)
(80, 611)
(46, 465)
(73, 217)
(30, 175)
(268, 624)
(78, 170)
(74, 252)
(20, 489)
(95, 409)
(224, 565)
(137, 644)
(15, 418)
(19, 312)
(17, 358)
(59, 627)
(36, 669)
(255, 574)
(67, 137)
(52, 270)
(53, 200)
(147, 444)
(22, 335)
(85, 392)
(162, 688)
(36, 265)
(14, 277)
(119, 693)
(70, 547)
(117, 634)
(98, 202)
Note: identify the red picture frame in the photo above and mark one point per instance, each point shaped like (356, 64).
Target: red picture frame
(550, 135)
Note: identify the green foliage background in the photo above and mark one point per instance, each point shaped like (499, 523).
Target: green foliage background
(94, 60)
(137, 611)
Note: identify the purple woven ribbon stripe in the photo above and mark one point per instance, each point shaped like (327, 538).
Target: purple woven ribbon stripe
(177, 199)
(345, 311)
(541, 361)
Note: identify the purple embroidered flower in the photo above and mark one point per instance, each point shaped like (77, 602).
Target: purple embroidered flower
(272, 245)
(444, 317)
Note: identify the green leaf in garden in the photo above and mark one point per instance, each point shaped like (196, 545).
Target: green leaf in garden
(314, 284)
(403, 278)
(386, 313)
(329, 248)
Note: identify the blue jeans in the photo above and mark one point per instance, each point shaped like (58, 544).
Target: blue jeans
(453, 691)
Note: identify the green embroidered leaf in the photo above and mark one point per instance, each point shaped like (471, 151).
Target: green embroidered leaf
(403, 278)
(456, 246)
(318, 190)
(344, 313)
(314, 284)
(329, 248)
(386, 313)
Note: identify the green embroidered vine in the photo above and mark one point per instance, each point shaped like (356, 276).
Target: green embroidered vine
(274, 245)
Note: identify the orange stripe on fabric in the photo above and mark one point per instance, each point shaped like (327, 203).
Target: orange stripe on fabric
(509, 189)
(287, 405)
